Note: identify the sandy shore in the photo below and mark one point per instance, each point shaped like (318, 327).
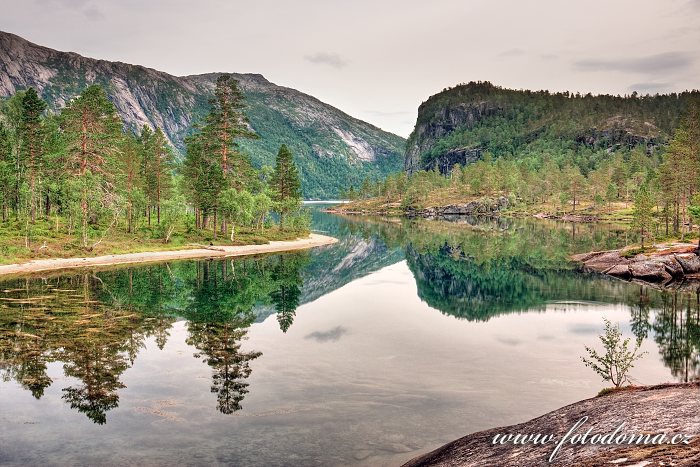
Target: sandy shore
(218, 251)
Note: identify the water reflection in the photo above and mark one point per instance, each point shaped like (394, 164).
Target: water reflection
(96, 323)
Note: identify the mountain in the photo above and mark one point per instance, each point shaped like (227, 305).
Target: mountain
(460, 125)
(332, 149)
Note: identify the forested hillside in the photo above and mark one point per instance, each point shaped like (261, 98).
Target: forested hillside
(630, 158)
(478, 120)
(331, 148)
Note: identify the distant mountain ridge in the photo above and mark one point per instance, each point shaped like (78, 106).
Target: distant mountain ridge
(333, 150)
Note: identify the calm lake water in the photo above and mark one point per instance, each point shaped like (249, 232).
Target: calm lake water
(401, 337)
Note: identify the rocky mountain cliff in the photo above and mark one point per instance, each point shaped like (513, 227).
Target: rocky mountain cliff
(333, 150)
(460, 124)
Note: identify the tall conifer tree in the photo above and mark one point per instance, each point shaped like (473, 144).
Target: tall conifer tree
(285, 184)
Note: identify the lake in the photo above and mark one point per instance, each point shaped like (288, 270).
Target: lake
(403, 336)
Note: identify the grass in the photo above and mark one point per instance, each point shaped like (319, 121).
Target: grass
(49, 242)
(614, 390)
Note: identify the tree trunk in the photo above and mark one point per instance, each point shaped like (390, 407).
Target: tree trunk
(129, 218)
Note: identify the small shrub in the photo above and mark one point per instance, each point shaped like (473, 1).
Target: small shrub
(615, 364)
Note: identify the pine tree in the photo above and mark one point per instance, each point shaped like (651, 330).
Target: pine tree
(694, 210)
(642, 214)
(204, 178)
(228, 122)
(158, 161)
(92, 130)
(285, 184)
(7, 172)
(32, 138)
(132, 164)
(214, 144)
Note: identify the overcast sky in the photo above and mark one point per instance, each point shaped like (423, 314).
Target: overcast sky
(379, 59)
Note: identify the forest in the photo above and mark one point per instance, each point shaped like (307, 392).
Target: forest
(76, 181)
(652, 180)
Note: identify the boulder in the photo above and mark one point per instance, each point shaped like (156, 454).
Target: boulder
(620, 270)
(690, 262)
(672, 266)
(650, 271)
(601, 263)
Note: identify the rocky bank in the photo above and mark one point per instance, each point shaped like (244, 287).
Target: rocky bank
(477, 207)
(671, 409)
(674, 265)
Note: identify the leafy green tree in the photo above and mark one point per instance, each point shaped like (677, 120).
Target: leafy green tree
(285, 185)
(238, 206)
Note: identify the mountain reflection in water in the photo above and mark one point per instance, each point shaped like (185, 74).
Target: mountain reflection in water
(94, 324)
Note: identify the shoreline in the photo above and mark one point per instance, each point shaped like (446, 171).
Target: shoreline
(219, 251)
(670, 264)
(670, 408)
(485, 206)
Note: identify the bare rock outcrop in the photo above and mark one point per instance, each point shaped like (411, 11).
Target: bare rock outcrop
(671, 409)
(658, 268)
(690, 262)
(472, 208)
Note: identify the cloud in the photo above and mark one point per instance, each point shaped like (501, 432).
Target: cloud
(90, 11)
(93, 13)
(549, 56)
(327, 336)
(512, 53)
(67, 3)
(662, 62)
(330, 59)
(650, 88)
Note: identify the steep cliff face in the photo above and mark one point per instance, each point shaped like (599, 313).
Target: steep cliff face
(436, 123)
(332, 149)
(458, 125)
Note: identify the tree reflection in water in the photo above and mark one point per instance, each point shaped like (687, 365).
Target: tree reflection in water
(96, 324)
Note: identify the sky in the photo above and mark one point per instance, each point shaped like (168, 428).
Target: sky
(379, 59)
